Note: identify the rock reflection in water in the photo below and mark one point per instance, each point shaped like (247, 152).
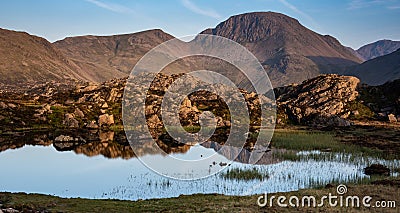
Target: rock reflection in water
(112, 144)
(118, 178)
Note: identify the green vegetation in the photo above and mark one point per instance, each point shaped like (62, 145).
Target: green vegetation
(303, 140)
(363, 111)
(56, 118)
(196, 203)
(314, 140)
(245, 174)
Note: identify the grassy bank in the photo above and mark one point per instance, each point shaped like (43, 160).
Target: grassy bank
(199, 203)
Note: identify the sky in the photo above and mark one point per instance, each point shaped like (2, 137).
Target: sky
(353, 22)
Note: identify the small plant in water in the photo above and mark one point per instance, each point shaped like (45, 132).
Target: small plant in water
(245, 174)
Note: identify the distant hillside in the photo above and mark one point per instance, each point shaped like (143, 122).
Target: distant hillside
(107, 57)
(288, 51)
(379, 48)
(379, 70)
(26, 58)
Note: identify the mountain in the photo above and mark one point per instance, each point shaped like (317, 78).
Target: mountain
(378, 70)
(26, 58)
(379, 48)
(107, 57)
(289, 52)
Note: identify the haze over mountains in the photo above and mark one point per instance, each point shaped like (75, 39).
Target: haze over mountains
(289, 52)
(378, 70)
(378, 48)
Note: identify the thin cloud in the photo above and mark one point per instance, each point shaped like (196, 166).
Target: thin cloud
(396, 7)
(296, 10)
(205, 12)
(111, 7)
(359, 4)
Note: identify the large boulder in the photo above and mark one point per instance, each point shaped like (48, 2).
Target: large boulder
(321, 100)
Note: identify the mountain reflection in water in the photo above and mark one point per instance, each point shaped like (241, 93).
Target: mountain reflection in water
(103, 165)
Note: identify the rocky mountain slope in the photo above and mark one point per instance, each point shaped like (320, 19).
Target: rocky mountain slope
(27, 58)
(378, 70)
(289, 52)
(108, 57)
(378, 48)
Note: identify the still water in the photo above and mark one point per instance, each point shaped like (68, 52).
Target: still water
(99, 174)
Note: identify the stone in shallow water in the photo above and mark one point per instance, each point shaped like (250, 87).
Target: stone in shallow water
(377, 169)
(66, 143)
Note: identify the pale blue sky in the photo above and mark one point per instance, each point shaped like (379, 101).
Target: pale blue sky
(353, 22)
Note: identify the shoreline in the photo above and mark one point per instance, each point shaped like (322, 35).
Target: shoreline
(384, 190)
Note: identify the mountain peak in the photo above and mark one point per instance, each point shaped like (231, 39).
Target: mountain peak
(289, 52)
(254, 26)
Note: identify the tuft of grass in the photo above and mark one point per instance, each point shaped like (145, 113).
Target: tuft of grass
(245, 174)
(315, 140)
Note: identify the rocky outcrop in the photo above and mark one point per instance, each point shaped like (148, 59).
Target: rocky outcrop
(327, 100)
(319, 101)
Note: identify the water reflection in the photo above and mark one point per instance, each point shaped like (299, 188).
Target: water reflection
(106, 167)
(111, 144)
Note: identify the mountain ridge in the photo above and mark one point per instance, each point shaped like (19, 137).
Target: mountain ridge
(28, 58)
(289, 51)
(379, 70)
(378, 48)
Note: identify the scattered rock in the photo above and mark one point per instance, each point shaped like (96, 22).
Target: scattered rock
(106, 136)
(104, 106)
(392, 118)
(65, 142)
(377, 169)
(3, 105)
(332, 120)
(64, 138)
(70, 121)
(79, 113)
(106, 119)
(10, 210)
(90, 88)
(329, 186)
(92, 125)
(11, 105)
